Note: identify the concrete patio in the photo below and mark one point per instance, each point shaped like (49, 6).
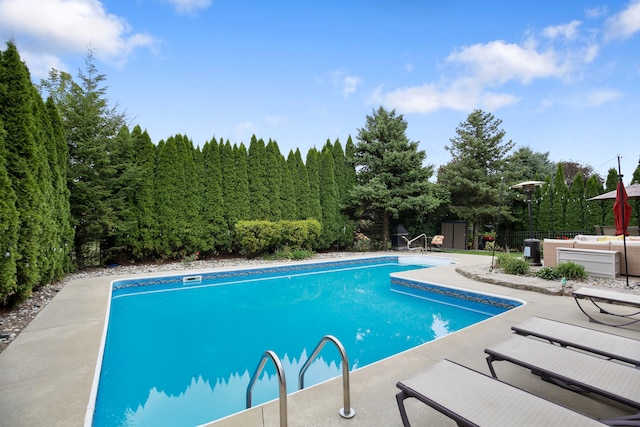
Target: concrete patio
(47, 372)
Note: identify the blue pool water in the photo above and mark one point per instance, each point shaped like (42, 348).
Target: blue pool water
(181, 352)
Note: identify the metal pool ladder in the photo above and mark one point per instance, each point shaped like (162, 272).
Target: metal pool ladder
(282, 381)
(345, 412)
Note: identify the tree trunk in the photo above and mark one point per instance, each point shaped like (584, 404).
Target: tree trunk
(385, 230)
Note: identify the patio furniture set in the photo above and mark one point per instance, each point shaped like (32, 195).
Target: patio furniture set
(600, 255)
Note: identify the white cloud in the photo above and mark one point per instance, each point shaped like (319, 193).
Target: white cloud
(41, 63)
(51, 28)
(624, 24)
(347, 84)
(596, 12)
(567, 31)
(350, 85)
(189, 6)
(602, 96)
(462, 95)
(499, 62)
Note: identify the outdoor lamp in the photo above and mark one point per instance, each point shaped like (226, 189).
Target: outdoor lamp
(529, 187)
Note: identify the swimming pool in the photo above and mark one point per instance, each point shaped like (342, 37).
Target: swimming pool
(180, 350)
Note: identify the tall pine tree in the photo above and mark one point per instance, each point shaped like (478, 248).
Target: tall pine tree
(392, 179)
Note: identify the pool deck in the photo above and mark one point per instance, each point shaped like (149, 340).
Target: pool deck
(46, 374)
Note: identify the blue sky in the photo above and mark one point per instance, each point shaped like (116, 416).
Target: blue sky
(563, 76)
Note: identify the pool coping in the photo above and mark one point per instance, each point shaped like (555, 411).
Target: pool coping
(48, 370)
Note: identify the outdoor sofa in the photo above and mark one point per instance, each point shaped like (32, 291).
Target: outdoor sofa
(610, 243)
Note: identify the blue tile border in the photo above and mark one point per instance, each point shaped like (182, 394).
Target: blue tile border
(460, 294)
(178, 280)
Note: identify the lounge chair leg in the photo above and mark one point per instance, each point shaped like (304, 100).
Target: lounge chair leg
(490, 363)
(400, 397)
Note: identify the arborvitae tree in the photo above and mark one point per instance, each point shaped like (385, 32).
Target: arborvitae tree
(350, 169)
(242, 194)
(215, 228)
(593, 208)
(288, 195)
(607, 205)
(345, 180)
(8, 227)
(560, 196)
(167, 201)
(145, 235)
(192, 227)
(24, 160)
(122, 181)
(272, 166)
(339, 162)
(301, 182)
(258, 180)
(229, 187)
(179, 197)
(328, 198)
(575, 215)
(313, 172)
(473, 177)
(59, 163)
(48, 260)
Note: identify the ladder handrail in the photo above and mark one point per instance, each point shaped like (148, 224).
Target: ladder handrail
(345, 373)
(281, 380)
(416, 238)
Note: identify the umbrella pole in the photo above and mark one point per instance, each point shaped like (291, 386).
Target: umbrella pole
(624, 234)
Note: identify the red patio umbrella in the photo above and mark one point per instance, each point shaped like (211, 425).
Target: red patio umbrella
(621, 210)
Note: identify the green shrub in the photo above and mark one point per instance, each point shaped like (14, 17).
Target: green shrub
(571, 270)
(548, 273)
(288, 253)
(260, 237)
(257, 237)
(513, 265)
(501, 259)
